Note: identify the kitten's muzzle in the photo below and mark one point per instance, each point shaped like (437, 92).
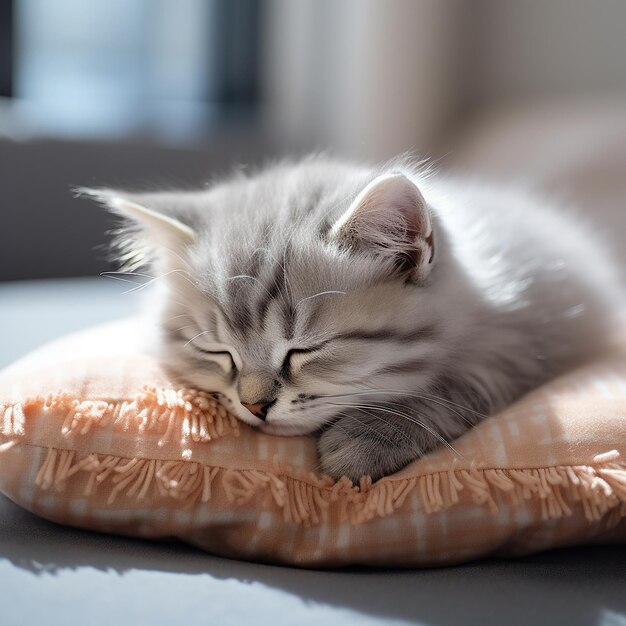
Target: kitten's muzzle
(259, 409)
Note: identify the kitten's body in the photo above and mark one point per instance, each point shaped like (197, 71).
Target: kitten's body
(385, 323)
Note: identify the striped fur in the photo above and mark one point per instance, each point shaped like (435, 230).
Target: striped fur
(386, 332)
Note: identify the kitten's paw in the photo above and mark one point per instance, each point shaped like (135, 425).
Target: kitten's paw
(340, 455)
(344, 453)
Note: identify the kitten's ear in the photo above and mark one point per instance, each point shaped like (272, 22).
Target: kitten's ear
(149, 231)
(390, 219)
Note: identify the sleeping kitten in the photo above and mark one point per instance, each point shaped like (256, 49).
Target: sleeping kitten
(386, 310)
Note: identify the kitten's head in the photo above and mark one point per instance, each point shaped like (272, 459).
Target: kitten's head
(294, 292)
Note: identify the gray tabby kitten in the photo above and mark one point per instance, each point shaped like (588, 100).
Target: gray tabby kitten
(384, 309)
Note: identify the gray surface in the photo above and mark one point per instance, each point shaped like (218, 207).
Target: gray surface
(45, 232)
(37, 311)
(58, 575)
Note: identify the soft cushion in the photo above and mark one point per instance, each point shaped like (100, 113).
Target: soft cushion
(95, 434)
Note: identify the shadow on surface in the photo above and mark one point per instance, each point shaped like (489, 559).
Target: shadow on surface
(575, 586)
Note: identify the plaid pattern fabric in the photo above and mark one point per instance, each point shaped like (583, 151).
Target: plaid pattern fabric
(95, 434)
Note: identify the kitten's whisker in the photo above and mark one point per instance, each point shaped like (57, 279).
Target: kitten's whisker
(204, 332)
(256, 280)
(419, 395)
(410, 418)
(123, 280)
(406, 416)
(126, 274)
(449, 408)
(321, 293)
(454, 407)
(180, 258)
(184, 274)
(402, 434)
(437, 401)
(187, 326)
(378, 434)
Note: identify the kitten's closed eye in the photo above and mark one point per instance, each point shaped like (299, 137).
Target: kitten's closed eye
(222, 357)
(296, 358)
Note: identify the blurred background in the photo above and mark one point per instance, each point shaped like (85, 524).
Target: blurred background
(169, 93)
(145, 94)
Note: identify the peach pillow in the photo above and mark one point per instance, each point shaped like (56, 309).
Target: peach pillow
(95, 434)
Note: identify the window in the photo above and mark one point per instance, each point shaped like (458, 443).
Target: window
(171, 69)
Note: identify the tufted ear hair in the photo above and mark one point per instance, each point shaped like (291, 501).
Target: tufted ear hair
(390, 219)
(147, 234)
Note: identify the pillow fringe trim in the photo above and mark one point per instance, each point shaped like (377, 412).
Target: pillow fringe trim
(198, 416)
(600, 488)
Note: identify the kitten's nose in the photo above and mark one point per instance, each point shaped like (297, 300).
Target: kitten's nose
(259, 409)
